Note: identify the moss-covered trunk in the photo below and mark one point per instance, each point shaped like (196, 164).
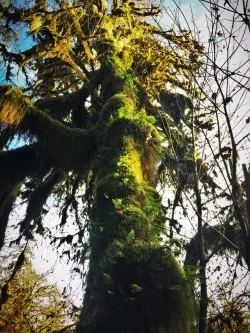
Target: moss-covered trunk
(134, 284)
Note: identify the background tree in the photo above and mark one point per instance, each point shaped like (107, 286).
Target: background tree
(32, 303)
(230, 312)
(221, 115)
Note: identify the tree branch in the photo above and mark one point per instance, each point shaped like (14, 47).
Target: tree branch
(17, 164)
(68, 148)
(60, 106)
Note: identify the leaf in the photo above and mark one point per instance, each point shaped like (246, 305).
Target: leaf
(228, 100)
(77, 270)
(195, 155)
(117, 202)
(131, 235)
(111, 292)
(119, 244)
(151, 119)
(136, 288)
(107, 277)
(69, 239)
(66, 253)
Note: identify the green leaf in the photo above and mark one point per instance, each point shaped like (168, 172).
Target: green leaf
(117, 203)
(151, 119)
(119, 244)
(111, 292)
(107, 277)
(136, 288)
(131, 235)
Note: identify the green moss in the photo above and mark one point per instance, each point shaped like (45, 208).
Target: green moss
(126, 57)
(114, 104)
(116, 64)
(120, 66)
(130, 162)
(144, 284)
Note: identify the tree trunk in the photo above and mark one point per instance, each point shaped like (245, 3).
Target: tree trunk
(134, 284)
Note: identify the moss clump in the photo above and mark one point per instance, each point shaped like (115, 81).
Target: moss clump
(115, 103)
(130, 164)
(14, 105)
(120, 66)
(139, 288)
(68, 148)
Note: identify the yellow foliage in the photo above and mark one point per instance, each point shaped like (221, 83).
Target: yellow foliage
(33, 304)
(36, 23)
(196, 155)
(13, 107)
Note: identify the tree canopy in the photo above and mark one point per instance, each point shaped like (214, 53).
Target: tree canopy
(112, 108)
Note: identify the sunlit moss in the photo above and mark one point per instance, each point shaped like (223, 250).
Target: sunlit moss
(131, 163)
(13, 107)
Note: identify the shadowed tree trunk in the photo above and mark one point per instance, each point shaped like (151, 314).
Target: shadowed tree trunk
(134, 284)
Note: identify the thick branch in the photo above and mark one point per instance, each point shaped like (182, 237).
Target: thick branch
(18, 57)
(68, 148)
(61, 106)
(17, 164)
(214, 240)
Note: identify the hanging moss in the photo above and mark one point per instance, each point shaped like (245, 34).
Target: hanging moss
(37, 200)
(13, 105)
